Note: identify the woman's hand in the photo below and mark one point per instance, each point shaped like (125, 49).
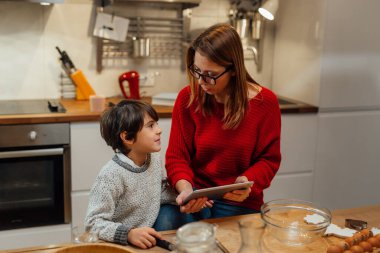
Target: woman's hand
(195, 205)
(144, 237)
(238, 195)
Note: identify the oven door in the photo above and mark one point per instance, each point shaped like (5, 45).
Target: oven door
(34, 187)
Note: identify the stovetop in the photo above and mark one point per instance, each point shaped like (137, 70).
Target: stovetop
(35, 106)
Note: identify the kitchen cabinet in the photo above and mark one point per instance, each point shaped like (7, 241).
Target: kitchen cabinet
(298, 147)
(347, 159)
(89, 153)
(334, 50)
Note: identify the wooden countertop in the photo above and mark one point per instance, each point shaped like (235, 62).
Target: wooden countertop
(228, 234)
(77, 111)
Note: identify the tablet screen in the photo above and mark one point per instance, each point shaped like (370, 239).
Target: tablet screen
(217, 192)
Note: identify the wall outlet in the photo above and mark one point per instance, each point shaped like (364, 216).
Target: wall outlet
(148, 79)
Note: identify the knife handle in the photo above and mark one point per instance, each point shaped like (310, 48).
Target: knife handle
(164, 244)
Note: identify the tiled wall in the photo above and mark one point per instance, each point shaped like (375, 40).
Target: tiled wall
(29, 64)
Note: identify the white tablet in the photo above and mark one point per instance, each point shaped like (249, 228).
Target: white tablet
(217, 192)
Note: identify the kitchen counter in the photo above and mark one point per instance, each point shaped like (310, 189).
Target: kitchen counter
(80, 111)
(228, 234)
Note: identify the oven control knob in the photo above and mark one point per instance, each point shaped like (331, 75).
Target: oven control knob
(32, 135)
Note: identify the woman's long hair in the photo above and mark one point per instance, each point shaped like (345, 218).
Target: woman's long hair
(221, 44)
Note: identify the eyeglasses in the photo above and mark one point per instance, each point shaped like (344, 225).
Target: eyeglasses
(208, 79)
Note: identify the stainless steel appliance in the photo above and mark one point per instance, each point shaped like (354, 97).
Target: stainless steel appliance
(32, 106)
(34, 175)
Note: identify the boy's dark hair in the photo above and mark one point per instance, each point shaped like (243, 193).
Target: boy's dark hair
(127, 115)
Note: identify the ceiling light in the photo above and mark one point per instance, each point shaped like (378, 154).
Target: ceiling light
(269, 9)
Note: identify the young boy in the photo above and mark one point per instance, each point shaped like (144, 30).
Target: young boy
(126, 196)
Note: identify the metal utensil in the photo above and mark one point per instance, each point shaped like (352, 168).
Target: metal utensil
(141, 47)
(221, 247)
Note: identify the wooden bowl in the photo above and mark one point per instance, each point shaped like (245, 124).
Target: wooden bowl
(94, 248)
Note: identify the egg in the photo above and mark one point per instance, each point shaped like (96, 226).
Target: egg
(377, 236)
(374, 242)
(348, 251)
(334, 249)
(343, 245)
(366, 246)
(357, 249)
(350, 241)
(358, 237)
(367, 233)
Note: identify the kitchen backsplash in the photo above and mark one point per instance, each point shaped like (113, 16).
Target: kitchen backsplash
(30, 67)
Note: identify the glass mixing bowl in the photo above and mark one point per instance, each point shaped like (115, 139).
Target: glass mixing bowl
(285, 220)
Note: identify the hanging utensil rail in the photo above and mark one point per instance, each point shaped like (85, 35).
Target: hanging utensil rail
(166, 35)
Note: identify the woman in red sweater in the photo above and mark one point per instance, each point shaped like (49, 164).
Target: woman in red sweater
(225, 129)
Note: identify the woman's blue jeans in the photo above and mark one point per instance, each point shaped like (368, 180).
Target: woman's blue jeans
(170, 216)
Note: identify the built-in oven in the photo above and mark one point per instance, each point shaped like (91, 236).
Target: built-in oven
(34, 175)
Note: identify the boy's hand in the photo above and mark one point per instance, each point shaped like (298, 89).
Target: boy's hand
(143, 237)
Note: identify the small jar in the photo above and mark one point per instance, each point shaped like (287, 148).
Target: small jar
(196, 237)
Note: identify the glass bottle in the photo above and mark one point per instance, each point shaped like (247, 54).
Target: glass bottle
(196, 237)
(251, 232)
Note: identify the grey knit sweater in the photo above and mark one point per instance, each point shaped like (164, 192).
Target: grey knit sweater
(125, 195)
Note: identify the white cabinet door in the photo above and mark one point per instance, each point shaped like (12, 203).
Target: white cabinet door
(298, 142)
(294, 186)
(79, 204)
(298, 147)
(165, 125)
(347, 170)
(89, 153)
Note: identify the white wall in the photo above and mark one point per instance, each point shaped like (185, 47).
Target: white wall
(29, 64)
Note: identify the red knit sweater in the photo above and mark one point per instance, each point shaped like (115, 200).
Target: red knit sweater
(203, 153)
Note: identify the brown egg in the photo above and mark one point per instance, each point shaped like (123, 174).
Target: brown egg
(366, 246)
(377, 236)
(367, 233)
(348, 251)
(374, 242)
(334, 249)
(343, 245)
(357, 249)
(350, 241)
(358, 237)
